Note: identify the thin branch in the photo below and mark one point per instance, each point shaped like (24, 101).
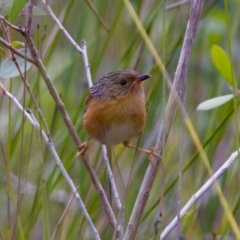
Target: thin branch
(15, 51)
(111, 178)
(71, 130)
(86, 63)
(68, 123)
(200, 192)
(14, 27)
(7, 43)
(120, 226)
(29, 17)
(39, 64)
(175, 100)
(31, 118)
(67, 35)
(181, 71)
(107, 159)
(26, 84)
(83, 51)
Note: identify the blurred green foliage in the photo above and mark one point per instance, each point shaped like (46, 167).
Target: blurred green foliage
(114, 42)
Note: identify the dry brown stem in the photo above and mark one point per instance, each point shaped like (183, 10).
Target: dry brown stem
(180, 75)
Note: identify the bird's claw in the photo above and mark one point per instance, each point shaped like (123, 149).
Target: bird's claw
(82, 149)
(151, 153)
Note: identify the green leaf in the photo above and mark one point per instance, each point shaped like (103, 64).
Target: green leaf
(8, 68)
(16, 8)
(222, 63)
(17, 44)
(214, 102)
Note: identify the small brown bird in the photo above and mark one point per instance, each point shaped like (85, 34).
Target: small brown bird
(115, 109)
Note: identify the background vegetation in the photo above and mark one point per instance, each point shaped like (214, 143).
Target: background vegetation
(114, 42)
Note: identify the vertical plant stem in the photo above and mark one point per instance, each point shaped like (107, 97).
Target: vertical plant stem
(181, 72)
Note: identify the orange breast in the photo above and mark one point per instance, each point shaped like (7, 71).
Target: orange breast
(114, 121)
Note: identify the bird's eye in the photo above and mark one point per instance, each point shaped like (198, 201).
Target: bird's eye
(123, 82)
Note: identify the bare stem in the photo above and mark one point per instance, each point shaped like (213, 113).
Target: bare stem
(83, 51)
(39, 64)
(29, 115)
(181, 73)
(71, 130)
(199, 193)
(15, 51)
(49, 10)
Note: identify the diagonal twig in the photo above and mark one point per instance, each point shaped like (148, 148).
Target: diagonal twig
(234, 156)
(31, 118)
(71, 129)
(66, 118)
(39, 64)
(83, 51)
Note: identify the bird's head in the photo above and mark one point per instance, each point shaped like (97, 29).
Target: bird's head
(122, 82)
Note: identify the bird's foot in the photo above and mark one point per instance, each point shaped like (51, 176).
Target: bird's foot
(150, 152)
(82, 149)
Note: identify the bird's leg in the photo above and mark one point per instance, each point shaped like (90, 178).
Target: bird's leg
(148, 152)
(82, 149)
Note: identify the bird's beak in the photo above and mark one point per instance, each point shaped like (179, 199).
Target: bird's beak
(143, 77)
